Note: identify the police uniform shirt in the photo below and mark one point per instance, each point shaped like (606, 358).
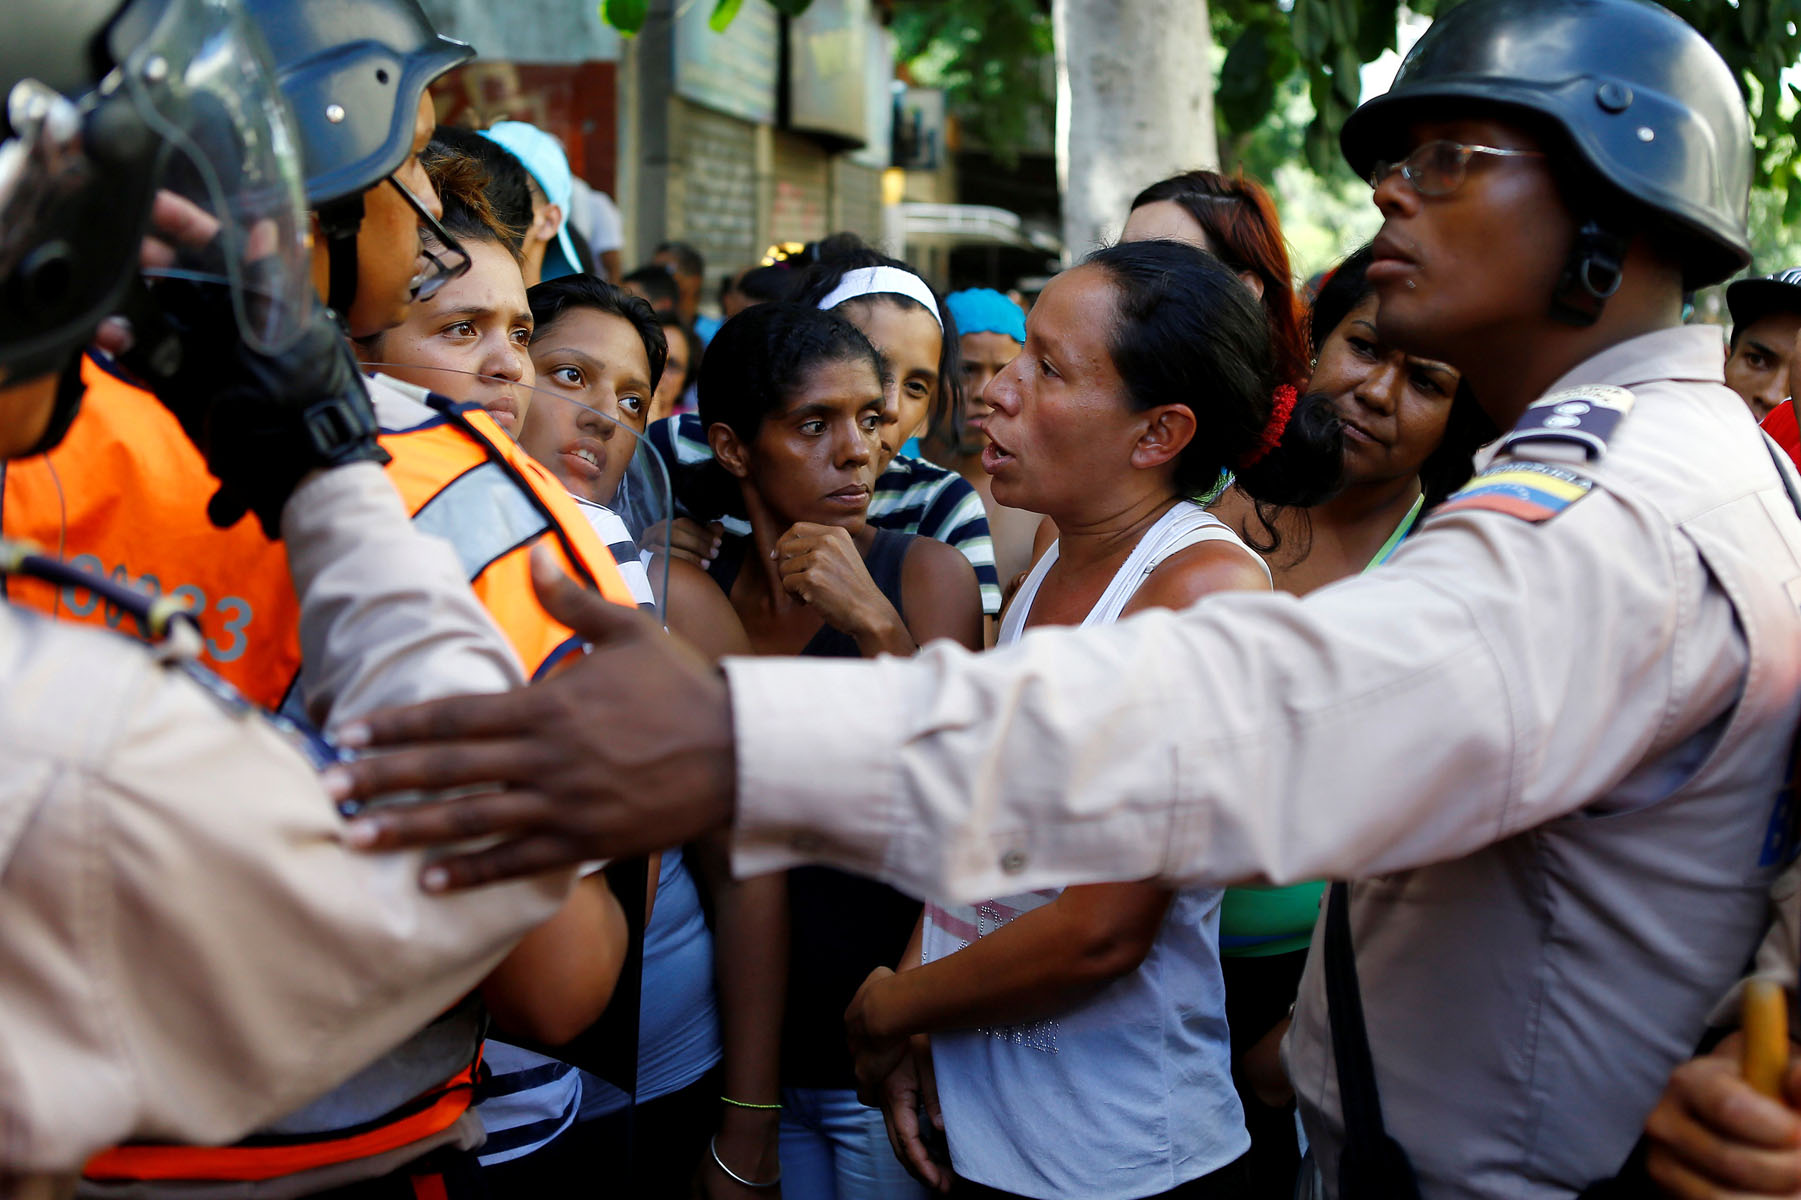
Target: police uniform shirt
(1552, 743)
(190, 949)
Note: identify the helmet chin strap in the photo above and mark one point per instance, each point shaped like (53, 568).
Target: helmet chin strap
(339, 222)
(1590, 276)
(69, 391)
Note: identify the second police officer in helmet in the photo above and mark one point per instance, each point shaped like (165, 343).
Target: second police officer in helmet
(1546, 742)
(189, 948)
(123, 492)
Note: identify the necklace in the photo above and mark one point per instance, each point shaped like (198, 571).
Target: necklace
(1400, 533)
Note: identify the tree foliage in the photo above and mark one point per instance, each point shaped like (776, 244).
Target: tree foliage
(988, 55)
(627, 16)
(1331, 40)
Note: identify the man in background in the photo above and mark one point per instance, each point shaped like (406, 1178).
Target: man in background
(1766, 316)
(689, 270)
(549, 251)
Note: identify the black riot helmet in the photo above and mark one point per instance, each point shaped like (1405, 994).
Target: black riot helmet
(1638, 98)
(107, 105)
(353, 71)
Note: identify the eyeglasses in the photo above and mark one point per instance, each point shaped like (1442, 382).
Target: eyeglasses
(448, 262)
(1437, 168)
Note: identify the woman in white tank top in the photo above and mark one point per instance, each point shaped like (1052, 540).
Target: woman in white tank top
(1072, 1043)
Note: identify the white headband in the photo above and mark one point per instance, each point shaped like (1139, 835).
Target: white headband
(877, 281)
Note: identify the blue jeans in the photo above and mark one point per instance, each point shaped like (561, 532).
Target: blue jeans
(833, 1148)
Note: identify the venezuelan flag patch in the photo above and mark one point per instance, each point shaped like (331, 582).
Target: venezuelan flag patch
(1527, 490)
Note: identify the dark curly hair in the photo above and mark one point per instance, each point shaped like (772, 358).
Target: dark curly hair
(756, 361)
(554, 297)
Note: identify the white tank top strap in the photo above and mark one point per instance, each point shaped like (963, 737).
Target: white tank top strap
(1185, 525)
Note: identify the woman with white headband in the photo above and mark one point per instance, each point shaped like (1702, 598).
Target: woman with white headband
(910, 327)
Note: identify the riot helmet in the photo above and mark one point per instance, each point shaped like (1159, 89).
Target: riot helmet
(1650, 116)
(354, 72)
(115, 111)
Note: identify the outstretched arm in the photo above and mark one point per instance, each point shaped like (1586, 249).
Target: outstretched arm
(1041, 963)
(1205, 746)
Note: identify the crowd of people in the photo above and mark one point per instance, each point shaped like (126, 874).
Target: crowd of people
(1276, 744)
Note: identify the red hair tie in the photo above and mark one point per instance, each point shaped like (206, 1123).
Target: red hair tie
(1281, 409)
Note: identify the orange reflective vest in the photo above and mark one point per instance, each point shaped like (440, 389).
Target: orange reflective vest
(432, 1113)
(125, 495)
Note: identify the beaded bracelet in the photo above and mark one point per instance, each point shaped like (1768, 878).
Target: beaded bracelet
(713, 1145)
(748, 1104)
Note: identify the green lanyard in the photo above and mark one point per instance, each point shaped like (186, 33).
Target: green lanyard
(1400, 533)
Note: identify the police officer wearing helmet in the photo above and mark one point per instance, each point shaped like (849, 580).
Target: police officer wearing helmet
(120, 492)
(356, 74)
(124, 491)
(178, 963)
(1546, 740)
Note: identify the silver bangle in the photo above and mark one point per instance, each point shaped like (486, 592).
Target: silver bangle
(713, 1145)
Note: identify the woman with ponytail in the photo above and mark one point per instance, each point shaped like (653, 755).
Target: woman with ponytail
(1077, 1038)
(1231, 218)
(1411, 429)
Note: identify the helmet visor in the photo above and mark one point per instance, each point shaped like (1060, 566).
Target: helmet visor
(46, 178)
(230, 205)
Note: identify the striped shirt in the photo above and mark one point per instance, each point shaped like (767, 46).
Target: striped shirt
(526, 1102)
(610, 529)
(911, 496)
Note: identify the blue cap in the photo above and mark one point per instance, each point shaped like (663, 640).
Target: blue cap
(543, 156)
(984, 310)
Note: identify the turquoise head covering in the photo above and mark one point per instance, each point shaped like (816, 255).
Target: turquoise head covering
(984, 310)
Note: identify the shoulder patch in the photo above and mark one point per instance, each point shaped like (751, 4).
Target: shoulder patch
(1531, 491)
(1586, 416)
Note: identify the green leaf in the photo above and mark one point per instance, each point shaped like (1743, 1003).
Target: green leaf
(1347, 79)
(1247, 84)
(627, 16)
(723, 12)
(1791, 205)
(1342, 23)
(1751, 15)
(1311, 34)
(1322, 145)
(1376, 28)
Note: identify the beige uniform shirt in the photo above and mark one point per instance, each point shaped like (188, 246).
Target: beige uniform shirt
(1582, 722)
(189, 949)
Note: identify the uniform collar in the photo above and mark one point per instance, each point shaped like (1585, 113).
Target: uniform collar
(1694, 353)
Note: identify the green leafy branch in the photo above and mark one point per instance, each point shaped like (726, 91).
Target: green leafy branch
(627, 16)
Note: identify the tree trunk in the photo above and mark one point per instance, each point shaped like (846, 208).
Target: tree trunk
(1134, 105)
